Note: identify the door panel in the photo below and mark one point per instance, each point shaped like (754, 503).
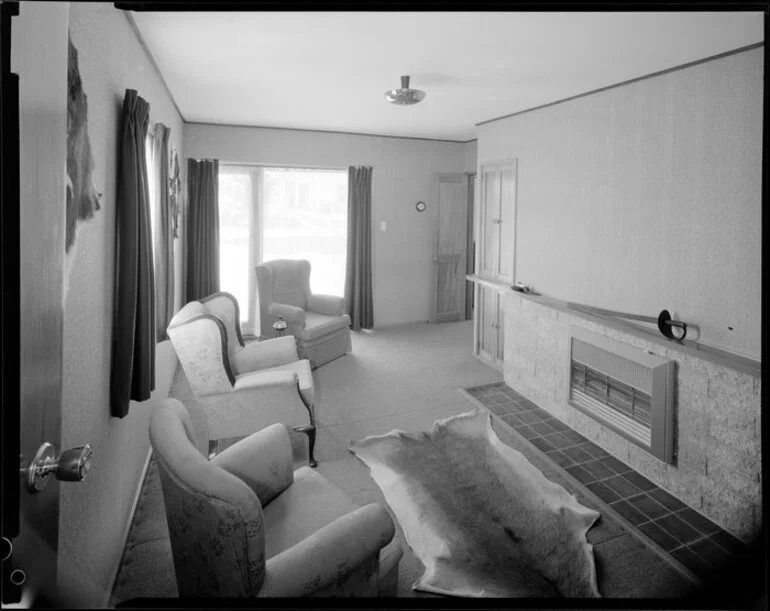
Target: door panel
(487, 317)
(450, 248)
(490, 211)
(500, 341)
(507, 220)
(39, 56)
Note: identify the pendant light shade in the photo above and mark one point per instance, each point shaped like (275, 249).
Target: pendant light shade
(404, 96)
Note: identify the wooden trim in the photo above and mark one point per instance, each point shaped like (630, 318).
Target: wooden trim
(153, 63)
(326, 131)
(628, 82)
(501, 286)
(126, 530)
(691, 348)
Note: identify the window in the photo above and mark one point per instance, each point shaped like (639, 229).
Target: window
(270, 213)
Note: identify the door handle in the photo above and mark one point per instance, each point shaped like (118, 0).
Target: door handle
(71, 466)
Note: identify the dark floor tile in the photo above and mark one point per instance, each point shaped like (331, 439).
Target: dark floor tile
(659, 536)
(576, 454)
(527, 418)
(542, 428)
(526, 432)
(580, 474)
(539, 412)
(531, 405)
(560, 459)
(541, 444)
(677, 528)
(648, 506)
(511, 419)
(575, 437)
(726, 541)
(498, 410)
(664, 498)
(614, 464)
(608, 495)
(629, 512)
(594, 450)
(557, 440)
(714, 554)
(597, 469)
(697, 521)
(621, 485)
(639, 481)
(692, 561)
(557, 424)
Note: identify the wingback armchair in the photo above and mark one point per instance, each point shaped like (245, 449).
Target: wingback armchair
(246, 524)
(318, 322)
(270, 384)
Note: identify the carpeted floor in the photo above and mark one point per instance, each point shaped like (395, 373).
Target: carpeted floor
(399, 377)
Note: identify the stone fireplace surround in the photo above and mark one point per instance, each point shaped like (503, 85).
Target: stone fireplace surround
(718, 468)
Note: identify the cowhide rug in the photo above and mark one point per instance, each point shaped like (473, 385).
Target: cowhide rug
(481, 518)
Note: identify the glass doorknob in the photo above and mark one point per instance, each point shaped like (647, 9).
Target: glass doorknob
(71, 466)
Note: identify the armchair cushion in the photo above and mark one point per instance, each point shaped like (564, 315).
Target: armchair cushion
(263, 460)
(310, 503)
(267, 353)
(301, 369)
(330, 305)
(318, 325)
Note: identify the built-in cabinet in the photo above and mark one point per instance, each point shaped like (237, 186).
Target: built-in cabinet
(495, 230)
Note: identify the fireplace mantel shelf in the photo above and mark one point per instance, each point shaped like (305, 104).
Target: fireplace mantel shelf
(692, 348)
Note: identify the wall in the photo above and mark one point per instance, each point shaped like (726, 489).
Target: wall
(94, 514)
(471, 155)
(403, 168)
(718, 439)
(647, 197)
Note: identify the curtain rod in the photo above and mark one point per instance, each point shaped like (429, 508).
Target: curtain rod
(282, 166)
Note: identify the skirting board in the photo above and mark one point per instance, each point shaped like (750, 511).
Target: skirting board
(126, 530)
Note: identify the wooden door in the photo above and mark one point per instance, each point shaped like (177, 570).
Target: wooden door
(500, 329)
(449, 248)
(39, 57)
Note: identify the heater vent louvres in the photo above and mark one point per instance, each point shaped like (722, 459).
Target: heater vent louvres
(624, 388)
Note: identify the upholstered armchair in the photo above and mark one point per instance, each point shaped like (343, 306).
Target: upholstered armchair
(270, 384)
(318, 322)
(246, 524)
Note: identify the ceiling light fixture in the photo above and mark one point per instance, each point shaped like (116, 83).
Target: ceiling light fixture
(404, 96)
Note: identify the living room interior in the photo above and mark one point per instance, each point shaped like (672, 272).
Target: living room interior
(574, 200)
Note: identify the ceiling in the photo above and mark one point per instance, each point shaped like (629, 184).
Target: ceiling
(329, 70)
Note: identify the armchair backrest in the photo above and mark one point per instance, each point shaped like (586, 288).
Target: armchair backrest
(200, 342)
(282, 281)
(225, 306)
(215, 520)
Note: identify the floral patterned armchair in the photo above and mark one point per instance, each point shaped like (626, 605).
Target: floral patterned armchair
(245, 524)
(241, 389)
(318, 322)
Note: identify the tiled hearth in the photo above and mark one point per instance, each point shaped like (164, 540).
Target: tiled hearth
(677, 529)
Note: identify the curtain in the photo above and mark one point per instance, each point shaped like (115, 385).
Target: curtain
(164, 232)
(132, 374)
(358, 270)
(202, 240)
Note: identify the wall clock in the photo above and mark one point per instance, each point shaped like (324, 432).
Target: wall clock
(420, 206)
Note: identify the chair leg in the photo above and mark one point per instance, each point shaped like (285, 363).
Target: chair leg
(309, 430)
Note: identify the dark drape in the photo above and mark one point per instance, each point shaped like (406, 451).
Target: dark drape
(202, 240)
(132, 375)
(358, 269)
(164, 235)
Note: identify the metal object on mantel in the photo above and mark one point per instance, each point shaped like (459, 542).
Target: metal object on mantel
(664, 321)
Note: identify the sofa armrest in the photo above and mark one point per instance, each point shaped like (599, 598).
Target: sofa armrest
(265, 354)
(329, 555)
(263, 460)
(291, 314)
(329, 305)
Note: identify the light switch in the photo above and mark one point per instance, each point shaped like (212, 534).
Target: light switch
(383, 225)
